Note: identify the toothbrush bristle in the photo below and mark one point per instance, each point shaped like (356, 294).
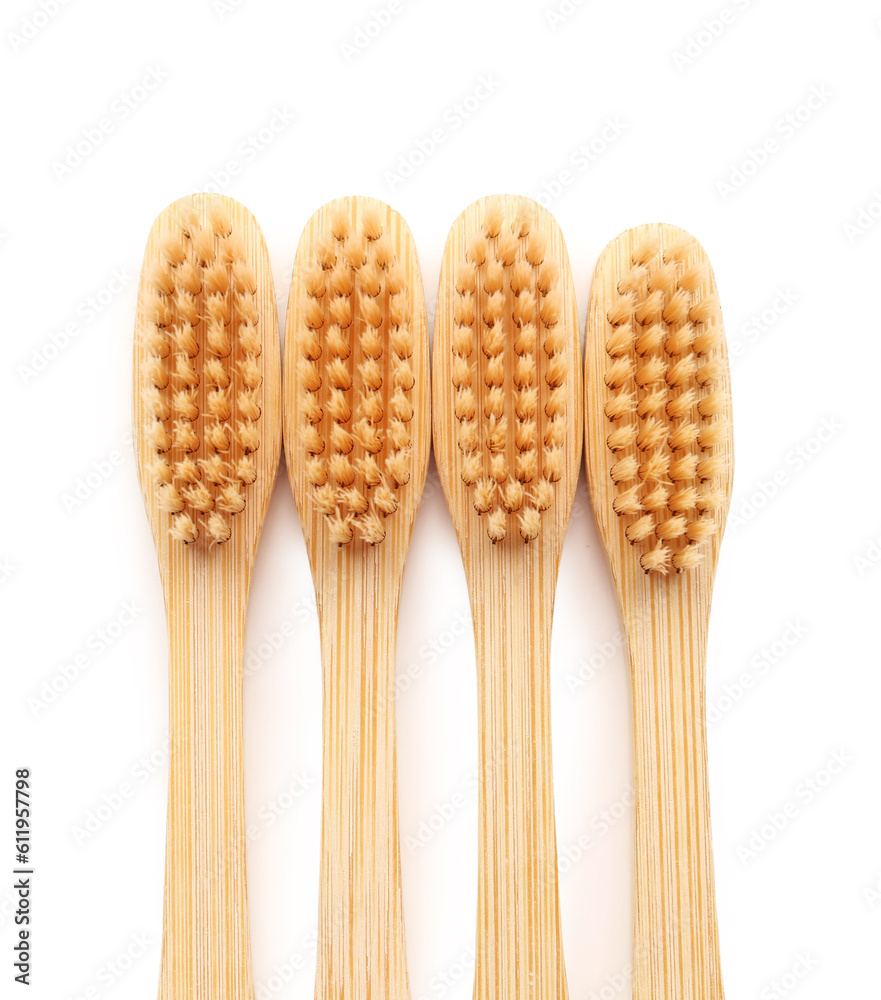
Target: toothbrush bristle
(201, 376)
(509, 362)
(665, 408)
(355, 377)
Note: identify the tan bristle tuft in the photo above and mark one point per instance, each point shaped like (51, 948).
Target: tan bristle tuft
(201, 377)
(663, 343)
(355, 376)
(510, 408)
(493, 218)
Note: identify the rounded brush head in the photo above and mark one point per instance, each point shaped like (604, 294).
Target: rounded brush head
(507, 386)
(356, 365)
(658, 394)
(201, 360)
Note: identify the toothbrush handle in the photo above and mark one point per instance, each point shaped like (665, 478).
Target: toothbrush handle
(361, 953)
(205, 943)
(519, 952)
(675, 938)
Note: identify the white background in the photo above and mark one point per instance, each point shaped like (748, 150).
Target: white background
(793, 242)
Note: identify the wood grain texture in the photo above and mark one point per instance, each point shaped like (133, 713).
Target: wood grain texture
(205, 942)
(511, 586)
(361, 951)
(675, 940)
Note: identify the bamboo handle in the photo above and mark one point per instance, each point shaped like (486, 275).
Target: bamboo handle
(675, 940)
(361, 927)
(519, 947)
(205, 945)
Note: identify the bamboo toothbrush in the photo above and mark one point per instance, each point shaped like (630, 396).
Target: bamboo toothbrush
(659, 464)
(207, 421)
(507, 437)
(356, 441)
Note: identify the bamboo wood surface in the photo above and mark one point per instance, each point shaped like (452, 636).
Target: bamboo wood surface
(511, 586)
(361, 951)
(205, 942)
(675, 939)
